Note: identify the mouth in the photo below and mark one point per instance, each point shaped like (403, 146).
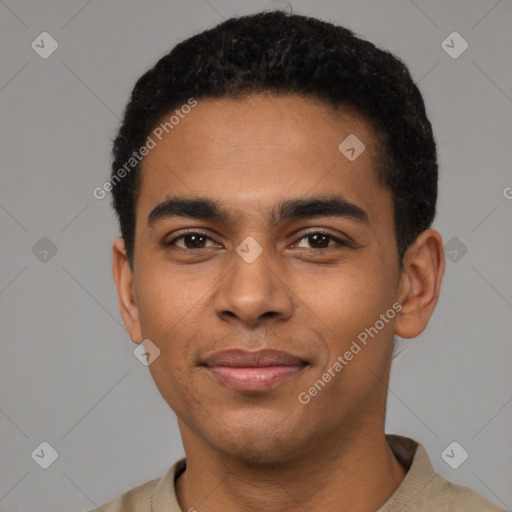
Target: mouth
(253, 371)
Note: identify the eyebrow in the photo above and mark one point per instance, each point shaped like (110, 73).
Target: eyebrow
(291, 209)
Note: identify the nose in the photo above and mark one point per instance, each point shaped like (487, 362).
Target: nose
(254, 290)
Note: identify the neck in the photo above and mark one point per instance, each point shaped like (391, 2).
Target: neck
(357, 474)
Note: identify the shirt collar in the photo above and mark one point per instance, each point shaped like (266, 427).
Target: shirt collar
(420, 472)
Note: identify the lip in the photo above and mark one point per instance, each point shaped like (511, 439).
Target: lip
(238, 358)
(253, 371)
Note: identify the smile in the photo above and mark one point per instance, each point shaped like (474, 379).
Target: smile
(253, 371)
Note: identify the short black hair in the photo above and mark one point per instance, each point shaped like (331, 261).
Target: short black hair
(280, 53)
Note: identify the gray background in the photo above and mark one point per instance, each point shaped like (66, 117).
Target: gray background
(67, 369)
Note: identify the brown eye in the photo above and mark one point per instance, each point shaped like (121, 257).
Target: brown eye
(320, 240)
(190, 241)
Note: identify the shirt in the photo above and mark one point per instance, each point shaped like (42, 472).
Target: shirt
(422, 490)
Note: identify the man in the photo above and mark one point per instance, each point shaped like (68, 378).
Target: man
(275, 179)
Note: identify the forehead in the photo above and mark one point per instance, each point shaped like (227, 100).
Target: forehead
(261, 149)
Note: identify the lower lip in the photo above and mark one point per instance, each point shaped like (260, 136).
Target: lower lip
(253, 378)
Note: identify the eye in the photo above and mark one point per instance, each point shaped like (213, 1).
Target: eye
(197, 240)
(191, 240)
(320, 240)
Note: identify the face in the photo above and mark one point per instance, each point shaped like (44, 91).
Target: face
(254, 231)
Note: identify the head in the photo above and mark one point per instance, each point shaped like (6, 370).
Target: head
(244, 127)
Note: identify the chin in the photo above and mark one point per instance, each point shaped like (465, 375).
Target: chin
(259, 442)
(257, 451)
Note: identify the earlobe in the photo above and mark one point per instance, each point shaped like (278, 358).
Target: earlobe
(420, 286)
(123, 278)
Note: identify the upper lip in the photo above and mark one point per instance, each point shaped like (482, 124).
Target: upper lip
(239, 358)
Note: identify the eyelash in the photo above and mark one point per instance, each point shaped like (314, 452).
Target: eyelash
(338, 241)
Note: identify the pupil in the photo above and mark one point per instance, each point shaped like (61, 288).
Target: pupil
(196, 240)
(323, 243)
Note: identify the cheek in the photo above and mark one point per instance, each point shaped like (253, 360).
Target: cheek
(176, 387)
(350, 306)
(167, 319)
(352, 311)
(351, 299)
(166, 300)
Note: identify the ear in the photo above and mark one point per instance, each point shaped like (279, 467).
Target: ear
(420, 283)
(123, 278)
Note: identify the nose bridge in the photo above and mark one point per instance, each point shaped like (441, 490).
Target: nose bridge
(252, 268)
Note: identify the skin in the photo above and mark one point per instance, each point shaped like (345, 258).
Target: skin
(265, 450)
